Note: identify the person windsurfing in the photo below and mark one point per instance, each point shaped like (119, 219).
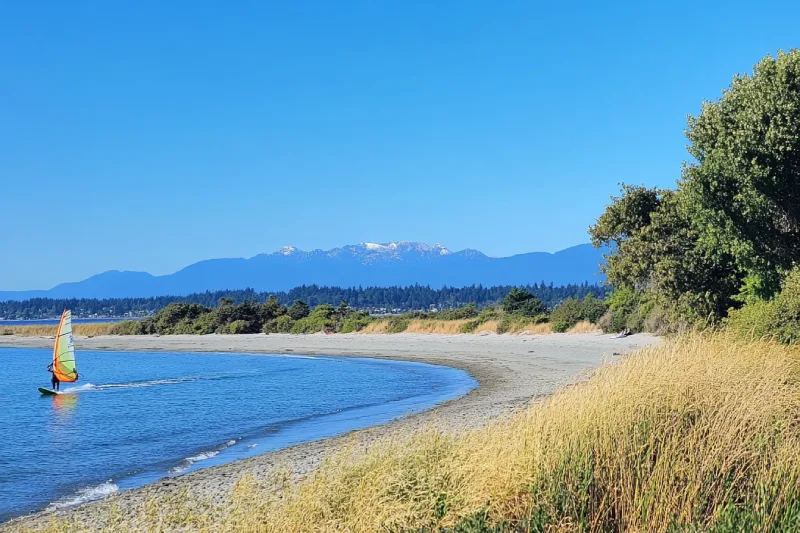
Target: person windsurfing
(62, 367)
(53, 379)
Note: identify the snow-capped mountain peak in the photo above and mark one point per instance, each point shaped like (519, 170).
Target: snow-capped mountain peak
(371, 252)
(287, 250)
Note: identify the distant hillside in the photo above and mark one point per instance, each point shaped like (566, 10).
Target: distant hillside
(365, 264)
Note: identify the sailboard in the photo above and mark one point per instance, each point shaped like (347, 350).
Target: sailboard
(63, 353)
(47, 392)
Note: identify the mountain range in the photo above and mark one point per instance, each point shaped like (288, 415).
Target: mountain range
(366, 264)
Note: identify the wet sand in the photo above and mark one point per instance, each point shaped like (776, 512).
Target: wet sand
(512, 370)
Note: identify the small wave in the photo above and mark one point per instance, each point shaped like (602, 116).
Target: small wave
(187, 463)
(85, 495)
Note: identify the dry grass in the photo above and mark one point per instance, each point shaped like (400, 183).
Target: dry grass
(584, 327)
(489, 325)
(85, 330)
(452, 327)
(698, 434)
(529, 329)
(378, 326)
(446, 327)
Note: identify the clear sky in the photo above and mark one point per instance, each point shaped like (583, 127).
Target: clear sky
(146, 135)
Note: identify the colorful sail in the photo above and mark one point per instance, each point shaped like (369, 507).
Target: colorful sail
(64, 350)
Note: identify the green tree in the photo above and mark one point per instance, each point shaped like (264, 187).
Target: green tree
(662, 252)
(299, 310)
(745, 178)
(521, 302)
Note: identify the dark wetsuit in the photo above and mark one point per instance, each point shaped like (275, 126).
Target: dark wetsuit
(53, 380)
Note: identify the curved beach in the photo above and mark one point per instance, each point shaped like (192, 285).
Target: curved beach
(511, 369)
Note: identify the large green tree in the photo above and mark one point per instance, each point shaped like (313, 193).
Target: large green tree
(732, 228)
(744, 181)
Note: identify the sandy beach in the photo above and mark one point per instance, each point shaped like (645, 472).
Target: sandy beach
(511, 369)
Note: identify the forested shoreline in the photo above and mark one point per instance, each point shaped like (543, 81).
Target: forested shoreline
(373, 300)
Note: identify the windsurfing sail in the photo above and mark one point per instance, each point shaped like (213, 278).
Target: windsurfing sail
(64, 350)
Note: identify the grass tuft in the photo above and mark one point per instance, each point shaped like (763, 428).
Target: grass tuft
(584, 327)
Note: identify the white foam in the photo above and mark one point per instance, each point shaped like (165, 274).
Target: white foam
(187, 463)
(131, 385)
(85, 495)
(81, 388)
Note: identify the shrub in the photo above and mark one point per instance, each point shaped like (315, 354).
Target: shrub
(459, 313)
(566, 314)
(397, 324)
(469, 327)
(522, 302)
(235, 327)
(592, 308)
(627, 308)
(355, 321)
(176, 318)
(777, 319)
(127, 327)
(282, 324)
(488, 313)
(504, 325)
(299, 310)
(320, 319)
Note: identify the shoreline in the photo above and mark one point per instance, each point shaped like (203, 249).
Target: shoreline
(511, 371)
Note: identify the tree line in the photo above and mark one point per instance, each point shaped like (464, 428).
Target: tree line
(519, 306)
(723, 246)
(375, 300)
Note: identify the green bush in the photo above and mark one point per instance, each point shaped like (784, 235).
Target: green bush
(470, 326)
(299, 310)
(397, 324)
(355, 321)
(282, 324)
(459, 313)
(523, 303)
(627, 309)
(177, 318)
(504, 324)
(592, 308)
(777, 319)
(234, 328)
(320, 319)
(566, 314)
(489, 313)
(126, 327)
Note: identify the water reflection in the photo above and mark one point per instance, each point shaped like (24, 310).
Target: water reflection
(64, 404)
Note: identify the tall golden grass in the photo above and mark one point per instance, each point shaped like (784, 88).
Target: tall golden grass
(378, 326)
(435, 326)
(584, 326)
(697, 434)
(103, 328)
(451, 327)
(528, 328)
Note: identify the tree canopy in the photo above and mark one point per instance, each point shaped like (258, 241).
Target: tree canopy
(729, 232)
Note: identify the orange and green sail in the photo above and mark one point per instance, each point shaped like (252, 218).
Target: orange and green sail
(64, 350)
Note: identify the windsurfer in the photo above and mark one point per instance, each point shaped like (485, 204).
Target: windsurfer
(53, 379)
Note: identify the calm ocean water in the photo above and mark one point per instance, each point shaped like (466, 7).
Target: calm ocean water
(136, 417)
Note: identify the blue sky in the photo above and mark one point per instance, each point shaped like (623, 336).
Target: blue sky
(148, 135)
